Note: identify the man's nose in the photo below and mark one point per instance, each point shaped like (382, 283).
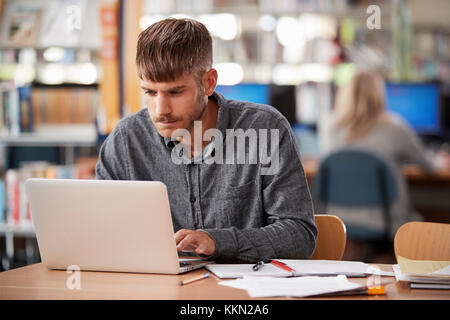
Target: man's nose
(162, 106)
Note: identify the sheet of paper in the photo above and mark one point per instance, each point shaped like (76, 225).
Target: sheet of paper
(259, 287)
(225, 271)
(237, 284)
(302, 267)
(443, 271)
(424, 268)
(399, 276)
(375, 270)
(327, 267)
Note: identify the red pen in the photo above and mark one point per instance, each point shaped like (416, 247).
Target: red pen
(282, 265)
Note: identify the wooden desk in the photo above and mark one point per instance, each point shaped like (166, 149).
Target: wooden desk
(37, 282)
(412, 173)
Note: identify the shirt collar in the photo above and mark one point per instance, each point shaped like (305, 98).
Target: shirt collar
(170, 143)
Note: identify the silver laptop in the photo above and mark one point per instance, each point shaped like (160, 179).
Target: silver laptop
(98, 225)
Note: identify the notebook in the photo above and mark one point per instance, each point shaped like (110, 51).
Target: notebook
(423, 274)
(300, 267)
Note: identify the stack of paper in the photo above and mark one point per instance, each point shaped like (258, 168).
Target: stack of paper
(259, 287)
(301, 267)
(424, 274)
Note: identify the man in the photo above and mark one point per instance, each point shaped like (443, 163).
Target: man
(228, 211)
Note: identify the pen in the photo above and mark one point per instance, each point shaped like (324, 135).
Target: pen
(282, 265)
(200, 277)
(258, 265)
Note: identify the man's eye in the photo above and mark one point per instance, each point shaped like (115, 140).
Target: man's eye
(151, 93)
(174, 93)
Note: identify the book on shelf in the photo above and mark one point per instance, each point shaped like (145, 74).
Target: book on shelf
(10, 108)
(16, 206)
(2, 201)
(64, 105)
(23, 109)
(12, 197)
(15, 109)
(2, 115)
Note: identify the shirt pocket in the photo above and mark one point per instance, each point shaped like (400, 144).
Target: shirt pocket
(239, 207)
(231, 192)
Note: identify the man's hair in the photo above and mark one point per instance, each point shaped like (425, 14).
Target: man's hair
(171, 48)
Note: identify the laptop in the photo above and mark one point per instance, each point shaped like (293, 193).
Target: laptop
(104, 225)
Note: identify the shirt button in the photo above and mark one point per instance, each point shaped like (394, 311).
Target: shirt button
(192, 199)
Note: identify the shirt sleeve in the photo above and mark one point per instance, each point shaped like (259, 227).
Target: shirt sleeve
(112, 161)
(290, 231)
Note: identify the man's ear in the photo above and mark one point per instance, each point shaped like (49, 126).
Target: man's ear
(210, 81)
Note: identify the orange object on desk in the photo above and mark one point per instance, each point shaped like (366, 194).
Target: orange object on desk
(373, 291)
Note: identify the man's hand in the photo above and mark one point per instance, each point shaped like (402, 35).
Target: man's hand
(194, 241)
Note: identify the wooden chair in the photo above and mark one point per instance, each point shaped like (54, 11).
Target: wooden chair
(423, 241)
(330, 243)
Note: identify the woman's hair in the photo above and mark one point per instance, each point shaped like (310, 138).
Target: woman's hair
(359, 104)
(171, 48)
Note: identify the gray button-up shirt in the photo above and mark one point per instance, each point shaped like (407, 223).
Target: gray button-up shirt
(250, 215)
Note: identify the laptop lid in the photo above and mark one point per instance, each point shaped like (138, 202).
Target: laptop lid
(103, 225)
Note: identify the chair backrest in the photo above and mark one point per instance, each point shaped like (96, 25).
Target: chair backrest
(354, 177)
(423, 241)
(330, 242)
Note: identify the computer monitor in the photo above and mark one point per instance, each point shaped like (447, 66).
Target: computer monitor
(418, 104)
(281, 98)
(253, 92)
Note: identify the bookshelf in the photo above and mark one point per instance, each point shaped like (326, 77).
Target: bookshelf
(67, 137)
(26, 231)
(55, 135)
(58, 64)
(58, 61)
(9, 232)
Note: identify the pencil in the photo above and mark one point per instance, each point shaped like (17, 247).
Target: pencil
(200, 277)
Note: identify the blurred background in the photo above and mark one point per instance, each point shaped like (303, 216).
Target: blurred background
(67, 76)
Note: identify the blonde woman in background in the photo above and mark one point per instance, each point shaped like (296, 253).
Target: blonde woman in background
(360, 120)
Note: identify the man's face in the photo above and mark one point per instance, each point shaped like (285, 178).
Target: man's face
(174, 105)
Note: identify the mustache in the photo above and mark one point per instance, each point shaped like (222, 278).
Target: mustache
(165, 119)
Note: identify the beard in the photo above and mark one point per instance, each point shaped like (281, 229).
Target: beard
(196, 116)
(202, 103)
(198, 110)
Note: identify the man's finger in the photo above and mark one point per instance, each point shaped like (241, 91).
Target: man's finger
(188, 243)
(201, 249)
(180, 235)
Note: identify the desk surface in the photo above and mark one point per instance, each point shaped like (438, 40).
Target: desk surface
(411, 172)
(38, 282)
